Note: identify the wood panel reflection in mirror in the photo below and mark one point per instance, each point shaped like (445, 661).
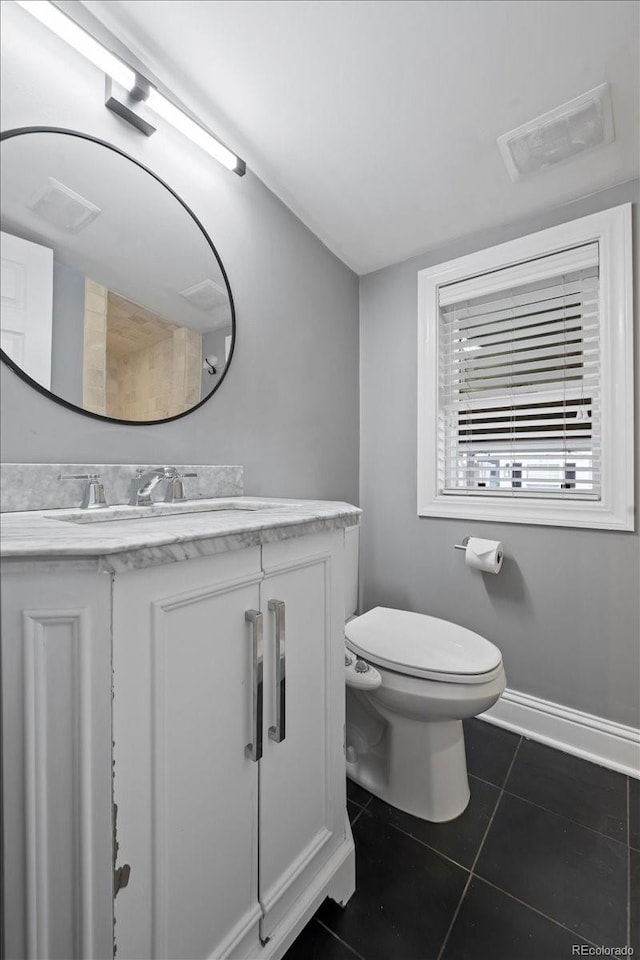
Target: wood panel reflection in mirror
(113, 294)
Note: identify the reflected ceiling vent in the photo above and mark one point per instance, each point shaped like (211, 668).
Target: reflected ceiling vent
(206, 295)
(559, 135)
(63, 207)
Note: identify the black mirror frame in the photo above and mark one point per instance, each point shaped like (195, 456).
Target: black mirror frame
(20, 131)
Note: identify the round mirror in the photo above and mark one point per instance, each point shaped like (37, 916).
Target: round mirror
(114, 299)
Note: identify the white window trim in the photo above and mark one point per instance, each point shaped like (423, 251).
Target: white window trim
(615, 510)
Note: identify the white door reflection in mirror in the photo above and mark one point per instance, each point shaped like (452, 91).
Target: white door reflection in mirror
(27, 305)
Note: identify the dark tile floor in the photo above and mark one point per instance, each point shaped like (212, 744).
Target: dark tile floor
(545, 859)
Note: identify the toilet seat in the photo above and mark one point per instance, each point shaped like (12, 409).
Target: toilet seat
(422, 646)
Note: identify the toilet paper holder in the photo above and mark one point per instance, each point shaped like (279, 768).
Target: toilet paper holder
(463, 545)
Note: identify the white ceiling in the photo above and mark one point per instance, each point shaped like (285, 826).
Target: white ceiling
(375, 121)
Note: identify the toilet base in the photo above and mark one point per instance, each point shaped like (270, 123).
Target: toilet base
(418, 766)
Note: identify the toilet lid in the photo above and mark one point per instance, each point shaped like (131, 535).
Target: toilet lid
(421, 646)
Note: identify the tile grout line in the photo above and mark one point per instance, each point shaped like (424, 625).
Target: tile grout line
(479, 851)
(541, 806)
(513, 760)
(423, 843)
(474, 776)
(339, 939)
(357, 802)
(427, 846)
(546, 916)
(518, 796)
(362, 808)
(554, 813)
(455, 916)
(495, 809)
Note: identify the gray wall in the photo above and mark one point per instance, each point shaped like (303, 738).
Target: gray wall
(564, 609)
(67, 345)
(288, 407)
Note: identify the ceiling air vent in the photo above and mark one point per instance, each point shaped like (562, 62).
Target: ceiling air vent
(556, 136)
(206, 295)
(63, 207)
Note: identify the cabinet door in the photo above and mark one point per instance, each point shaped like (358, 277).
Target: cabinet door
(302, 777)
(187, 795)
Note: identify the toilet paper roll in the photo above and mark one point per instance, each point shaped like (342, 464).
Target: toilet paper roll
(485, 555)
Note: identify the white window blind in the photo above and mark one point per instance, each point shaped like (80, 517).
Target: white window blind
(519, 380)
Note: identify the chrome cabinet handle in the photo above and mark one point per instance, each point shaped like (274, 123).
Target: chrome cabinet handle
(278, 731)
(253, 750)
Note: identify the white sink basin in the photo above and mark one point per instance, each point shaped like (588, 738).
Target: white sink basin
(159, 509)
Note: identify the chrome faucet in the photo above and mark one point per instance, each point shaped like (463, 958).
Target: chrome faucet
(149, 480)
(93, 496)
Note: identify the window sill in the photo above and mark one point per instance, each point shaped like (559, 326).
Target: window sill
(540, 512)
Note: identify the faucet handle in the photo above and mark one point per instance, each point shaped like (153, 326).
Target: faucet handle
(172, 473)
(78, 476)
(94, 495)
(175, 486)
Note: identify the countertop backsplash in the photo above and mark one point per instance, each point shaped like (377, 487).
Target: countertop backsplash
(35, 486)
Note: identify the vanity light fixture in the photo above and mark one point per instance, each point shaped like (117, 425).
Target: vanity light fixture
(69, 31)
(137, 90)
(173, 115)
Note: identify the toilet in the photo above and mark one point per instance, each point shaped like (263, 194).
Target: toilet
(411, 680)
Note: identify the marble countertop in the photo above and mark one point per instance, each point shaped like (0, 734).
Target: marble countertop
(118, 545)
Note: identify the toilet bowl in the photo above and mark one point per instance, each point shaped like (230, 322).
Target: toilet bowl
(405, 742)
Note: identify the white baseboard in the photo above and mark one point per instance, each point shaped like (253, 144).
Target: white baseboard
(581, 734)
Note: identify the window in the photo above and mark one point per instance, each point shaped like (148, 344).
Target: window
(525, 379)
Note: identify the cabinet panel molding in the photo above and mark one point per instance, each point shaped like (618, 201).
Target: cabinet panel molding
(296, 869)
(58, 701)
(243, 939)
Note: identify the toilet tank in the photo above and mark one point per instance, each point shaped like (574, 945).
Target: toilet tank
(351, 552)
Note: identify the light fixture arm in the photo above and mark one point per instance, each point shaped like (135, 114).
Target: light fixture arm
(129, 105)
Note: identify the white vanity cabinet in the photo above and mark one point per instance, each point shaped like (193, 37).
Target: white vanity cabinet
(152, 669)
